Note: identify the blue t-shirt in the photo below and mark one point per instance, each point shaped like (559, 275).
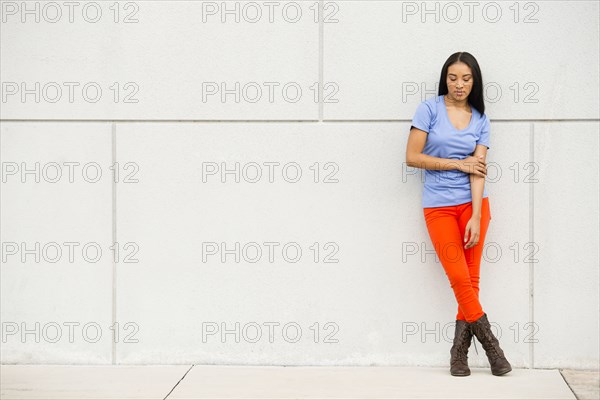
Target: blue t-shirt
(448, 187)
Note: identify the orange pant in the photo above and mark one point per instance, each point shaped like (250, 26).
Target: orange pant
(446, 226)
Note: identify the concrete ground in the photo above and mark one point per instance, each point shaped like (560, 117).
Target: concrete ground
(257, 382)
(585, 384)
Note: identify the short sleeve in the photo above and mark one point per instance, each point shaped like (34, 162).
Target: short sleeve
(423, 116)
(484, 137)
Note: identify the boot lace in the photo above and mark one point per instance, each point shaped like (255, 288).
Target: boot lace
(461, 348)
(488, 342)
(472, 332)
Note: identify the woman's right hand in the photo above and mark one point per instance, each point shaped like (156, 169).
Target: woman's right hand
(473, 165)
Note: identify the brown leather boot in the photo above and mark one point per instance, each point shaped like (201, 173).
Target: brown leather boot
(482, 330)
(462, 340)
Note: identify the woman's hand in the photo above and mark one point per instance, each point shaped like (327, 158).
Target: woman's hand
(472, 228)
(473, 165)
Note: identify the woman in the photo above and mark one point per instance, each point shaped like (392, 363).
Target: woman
(449, 138)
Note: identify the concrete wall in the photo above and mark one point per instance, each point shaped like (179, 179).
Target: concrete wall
(136, 230)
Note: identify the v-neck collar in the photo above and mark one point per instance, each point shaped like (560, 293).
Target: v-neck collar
(448, 117)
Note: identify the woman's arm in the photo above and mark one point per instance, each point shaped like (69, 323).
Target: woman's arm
(477, 183)
(416, 158)
(472, 229)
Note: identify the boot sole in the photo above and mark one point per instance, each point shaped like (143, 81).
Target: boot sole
(467, 374)
(502, 372)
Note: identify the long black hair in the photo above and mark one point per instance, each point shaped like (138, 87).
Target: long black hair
(476, 95)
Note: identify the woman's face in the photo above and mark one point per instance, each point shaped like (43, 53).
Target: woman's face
(460, 81)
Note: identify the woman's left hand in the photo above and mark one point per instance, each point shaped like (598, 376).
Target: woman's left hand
(472, 228)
